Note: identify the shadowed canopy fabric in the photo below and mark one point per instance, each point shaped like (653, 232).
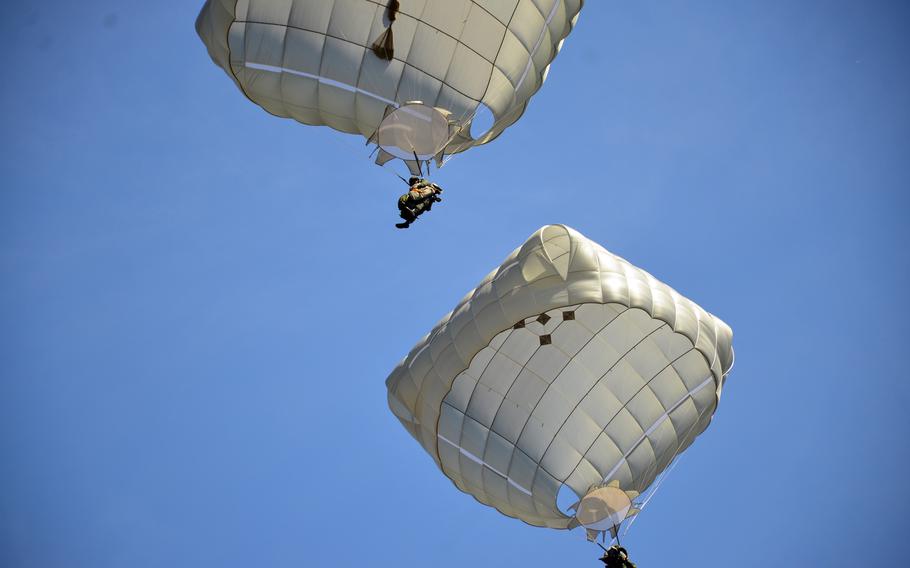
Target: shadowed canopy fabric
(567, 368)
(313, 60)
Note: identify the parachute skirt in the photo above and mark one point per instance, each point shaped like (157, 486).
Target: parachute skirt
(566, 370)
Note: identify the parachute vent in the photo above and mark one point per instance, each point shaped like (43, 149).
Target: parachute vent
(558, 246)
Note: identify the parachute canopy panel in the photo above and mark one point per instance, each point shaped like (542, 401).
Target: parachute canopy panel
(343, 63)
(567, 367)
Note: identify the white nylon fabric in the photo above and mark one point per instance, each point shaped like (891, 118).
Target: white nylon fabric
(566, 365)
(310, 60)
(413, 130)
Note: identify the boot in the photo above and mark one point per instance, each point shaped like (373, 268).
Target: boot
(404, 225)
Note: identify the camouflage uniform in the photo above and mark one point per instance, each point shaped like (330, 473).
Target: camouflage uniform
(419, 198)
(617, 557)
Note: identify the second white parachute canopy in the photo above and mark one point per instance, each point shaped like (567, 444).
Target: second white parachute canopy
(567, 374)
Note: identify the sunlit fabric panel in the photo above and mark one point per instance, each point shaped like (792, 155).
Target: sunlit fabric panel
(311, 60)
(567, 367)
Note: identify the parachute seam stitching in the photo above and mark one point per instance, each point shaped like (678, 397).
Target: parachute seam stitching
(605, 373)
(494, 67)
(322, 55)
(230, 65)
(514, 445)
(284, 52)
(681, 442)
(543, 455)
(482, 457)
(404, 62)
(522, 108)
(523, 367)
(616, 317)
(625, 404)
(520, 432)
(470, 398)
(360, 68)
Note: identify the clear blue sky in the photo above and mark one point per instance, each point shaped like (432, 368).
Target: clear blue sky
(199, 302)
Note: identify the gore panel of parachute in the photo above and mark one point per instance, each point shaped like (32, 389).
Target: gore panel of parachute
(566, 369)
(335, 63)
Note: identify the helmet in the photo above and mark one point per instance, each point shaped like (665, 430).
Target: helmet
(413, 179)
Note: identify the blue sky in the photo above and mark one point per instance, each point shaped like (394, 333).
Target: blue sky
(199, 302)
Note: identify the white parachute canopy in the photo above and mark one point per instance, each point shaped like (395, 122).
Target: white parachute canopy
(567, 374)
(353, 65)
